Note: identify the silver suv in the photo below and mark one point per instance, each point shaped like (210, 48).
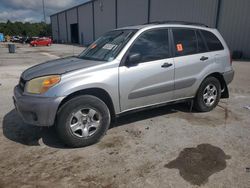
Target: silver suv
(125, 70)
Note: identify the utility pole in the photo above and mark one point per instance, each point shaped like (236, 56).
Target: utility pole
(44, 16)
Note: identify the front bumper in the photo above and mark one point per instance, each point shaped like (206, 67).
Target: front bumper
(228, 76)
(40, 111)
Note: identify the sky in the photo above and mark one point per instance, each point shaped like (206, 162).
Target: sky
(31, 10)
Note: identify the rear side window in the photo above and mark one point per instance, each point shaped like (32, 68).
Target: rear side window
(152, 45)
(185, 42)
(212, 41)
(200, 42)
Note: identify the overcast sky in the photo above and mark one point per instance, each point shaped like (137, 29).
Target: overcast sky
(31, 10)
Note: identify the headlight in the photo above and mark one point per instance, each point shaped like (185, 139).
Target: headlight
(42, 84)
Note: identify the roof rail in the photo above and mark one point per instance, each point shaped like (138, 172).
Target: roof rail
(177, 22)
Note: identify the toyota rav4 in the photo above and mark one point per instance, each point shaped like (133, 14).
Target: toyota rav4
(123, 71)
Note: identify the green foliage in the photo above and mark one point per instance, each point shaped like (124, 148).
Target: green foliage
(25, 29)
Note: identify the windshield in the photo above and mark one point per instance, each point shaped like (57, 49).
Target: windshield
(107, 47)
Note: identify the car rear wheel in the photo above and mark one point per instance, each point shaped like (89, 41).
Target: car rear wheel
(208, 95)
(82, 121)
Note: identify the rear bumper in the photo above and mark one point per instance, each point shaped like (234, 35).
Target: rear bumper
(39, 111)
(228, 76)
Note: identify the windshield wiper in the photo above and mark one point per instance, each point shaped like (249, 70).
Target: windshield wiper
(90, 58)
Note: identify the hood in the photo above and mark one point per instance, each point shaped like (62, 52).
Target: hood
(59, 66)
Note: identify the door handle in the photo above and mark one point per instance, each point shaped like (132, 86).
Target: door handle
(203, 58)
(166, 65)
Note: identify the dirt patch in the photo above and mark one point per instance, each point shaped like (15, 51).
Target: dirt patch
(197, 164)
(219, 116)
(239, 91)
(134, 133)
(93, 181)
(8, 76)
(145, 169)
(112, 142)
(229, 115)
(202, 119)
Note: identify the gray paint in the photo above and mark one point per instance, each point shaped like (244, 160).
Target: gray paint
(234, 25)
(104, 16)
(184, 83)
(228, 76)
(85, 24)
(44, 108)
(131, 12)
(152, 90)
(163, 88)
(54, 27)
(182, 10)
(71, 19)
(58, 66)
(62, 27)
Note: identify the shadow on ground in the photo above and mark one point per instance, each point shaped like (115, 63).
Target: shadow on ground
(17, 131)
(150, 113)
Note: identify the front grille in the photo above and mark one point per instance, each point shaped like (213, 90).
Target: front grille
(21, 84)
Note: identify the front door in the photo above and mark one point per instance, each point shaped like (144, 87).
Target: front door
(151, 80)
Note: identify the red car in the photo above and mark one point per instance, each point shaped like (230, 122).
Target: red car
(41, 42)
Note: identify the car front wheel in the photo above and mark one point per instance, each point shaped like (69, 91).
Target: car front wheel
(208, 95)
(83, 121)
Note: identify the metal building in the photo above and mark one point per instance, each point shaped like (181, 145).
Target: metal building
(84, 23)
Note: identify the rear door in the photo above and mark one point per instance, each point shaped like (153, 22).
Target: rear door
(191, 60)
(217, 50)
(151, 81)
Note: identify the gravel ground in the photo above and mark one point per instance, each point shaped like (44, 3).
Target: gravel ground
(164, 147)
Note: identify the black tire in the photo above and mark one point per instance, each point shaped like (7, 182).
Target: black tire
(199, 103)
(64, 117)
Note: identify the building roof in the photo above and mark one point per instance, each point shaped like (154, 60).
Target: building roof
(89, 1)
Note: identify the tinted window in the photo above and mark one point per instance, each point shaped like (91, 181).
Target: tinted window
(212, 41)
(152, 45)
(200, 42)
(185, 42)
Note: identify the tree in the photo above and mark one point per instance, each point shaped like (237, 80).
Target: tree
(25, 29)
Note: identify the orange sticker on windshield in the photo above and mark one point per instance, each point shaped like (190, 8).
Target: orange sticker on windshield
(93, 46)
(179, 47)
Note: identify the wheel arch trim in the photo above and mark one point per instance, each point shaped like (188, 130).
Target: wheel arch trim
(219, 76)
(97, 92)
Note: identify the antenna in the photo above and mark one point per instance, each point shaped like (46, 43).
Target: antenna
(44, 16)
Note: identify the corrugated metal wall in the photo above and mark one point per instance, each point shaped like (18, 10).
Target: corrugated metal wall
(85, 24)
(71, 19)
(127, 14)
(105, 16)
(62, 27)
(234, 24)
(203, 11)
(54, 26)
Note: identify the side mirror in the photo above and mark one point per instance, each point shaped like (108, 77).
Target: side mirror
(133, 59)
